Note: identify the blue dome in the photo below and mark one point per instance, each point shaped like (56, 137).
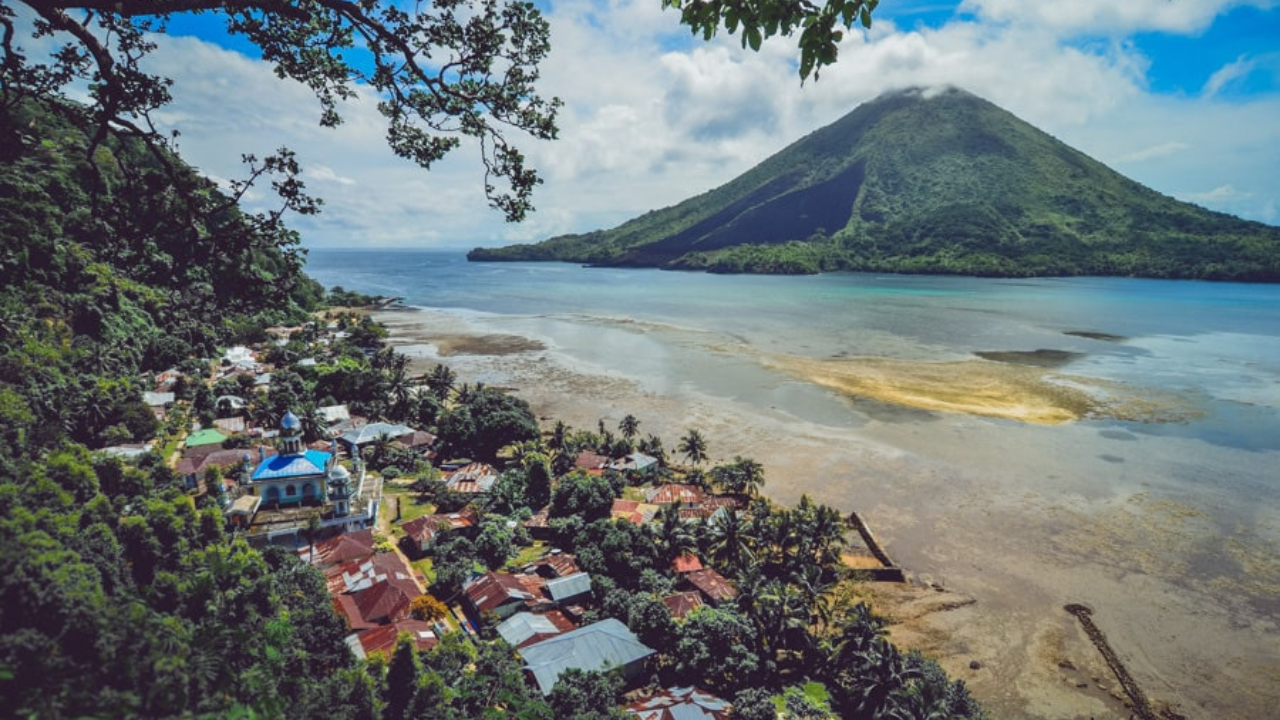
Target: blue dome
(290, 421)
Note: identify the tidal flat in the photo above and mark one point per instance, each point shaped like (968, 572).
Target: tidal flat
(999, 521)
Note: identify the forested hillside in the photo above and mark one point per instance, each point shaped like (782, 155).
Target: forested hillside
(120, 596)
(930, 182)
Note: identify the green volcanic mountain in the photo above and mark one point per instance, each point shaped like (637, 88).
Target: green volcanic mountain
(929, 182)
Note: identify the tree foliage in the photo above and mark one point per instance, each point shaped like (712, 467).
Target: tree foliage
(442, 71)
(821, 25)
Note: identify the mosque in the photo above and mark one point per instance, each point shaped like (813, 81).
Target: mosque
(301, 476)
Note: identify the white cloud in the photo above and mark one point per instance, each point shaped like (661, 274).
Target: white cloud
(1226, 74)
(1220, 194)
(1109, 17)
(325, 173)
(1153, 151)
(651, 119)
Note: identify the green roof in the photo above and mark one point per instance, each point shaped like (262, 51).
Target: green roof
(207, 436)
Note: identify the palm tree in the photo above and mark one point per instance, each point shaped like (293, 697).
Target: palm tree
(314, 426)
(559, 434)
(629, 426)
(730, 542)
(673, 535)
(694, 447)
(313, 525)
(652, 446)
(441, 380)
(400, 391)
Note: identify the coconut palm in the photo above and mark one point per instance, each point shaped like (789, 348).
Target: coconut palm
(694, 447)
(673, 535)
(730, 543)
(629, 426)
(441, 380)
(559, 435)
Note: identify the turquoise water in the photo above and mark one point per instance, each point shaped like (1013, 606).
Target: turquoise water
(1215, 344)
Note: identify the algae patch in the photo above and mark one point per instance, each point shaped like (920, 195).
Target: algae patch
(1025, 391)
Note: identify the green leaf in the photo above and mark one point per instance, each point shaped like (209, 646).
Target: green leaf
(866, 16)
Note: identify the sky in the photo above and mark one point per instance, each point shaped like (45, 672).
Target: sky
(1181, 95)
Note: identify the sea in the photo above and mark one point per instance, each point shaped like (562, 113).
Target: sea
(1167, 524)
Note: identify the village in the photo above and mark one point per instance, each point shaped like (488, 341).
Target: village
(441, 513)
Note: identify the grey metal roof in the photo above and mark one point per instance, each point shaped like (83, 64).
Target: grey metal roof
(605, 644)
(372, 431)
(569, 586)
(522, 626)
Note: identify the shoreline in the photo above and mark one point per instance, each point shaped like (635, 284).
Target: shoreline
(1009, 556)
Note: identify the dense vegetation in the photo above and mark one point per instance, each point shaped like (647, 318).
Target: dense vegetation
(945, 183)
(123, 596)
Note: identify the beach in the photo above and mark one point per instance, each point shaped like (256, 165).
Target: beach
(998, 517)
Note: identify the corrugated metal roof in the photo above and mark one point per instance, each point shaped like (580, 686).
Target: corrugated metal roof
(605, 644)
(373, 431)
(569, 586)
(522, 626)
(311, 462)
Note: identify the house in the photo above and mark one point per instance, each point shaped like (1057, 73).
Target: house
(681, 604)
(197, 461)
(243, 511)
(569, 590)
(237, 355)
(232, 425)
(419, 441)
(687, 703)
(383, 638)
(498, 595)
(333, 414)
(207, 436)
(603, 645)
(633, 511)
(590, 462)
(686, 563)
(672, 493)
(526, 628)
(474, 479)
(421, 530)
(556, 564)
(383, 602)
(539, 525)
(157, 399)
(713, 586)
(360, 574)
(634, 463)
(357, 438)
(340, 549)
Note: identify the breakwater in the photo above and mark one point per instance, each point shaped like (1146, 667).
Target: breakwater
(889, 572)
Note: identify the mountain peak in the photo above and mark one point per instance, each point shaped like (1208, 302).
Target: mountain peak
(933, 180)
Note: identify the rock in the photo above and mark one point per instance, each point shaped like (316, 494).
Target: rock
(1067, 665)
(975, 665)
